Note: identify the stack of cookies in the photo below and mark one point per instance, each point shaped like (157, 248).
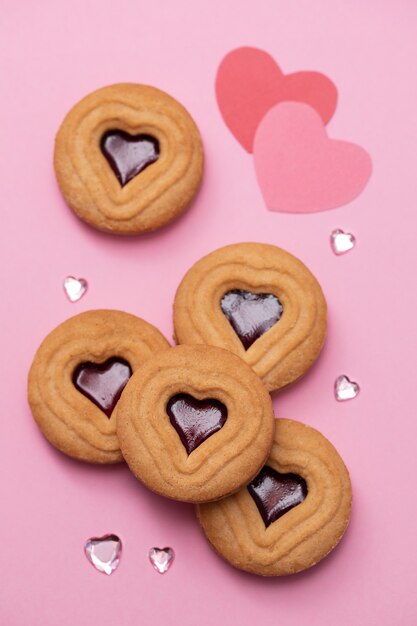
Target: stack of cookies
(195, 422)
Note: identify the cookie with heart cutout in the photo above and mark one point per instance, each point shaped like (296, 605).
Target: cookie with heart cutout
(128, 158)
(292, 514)
(78, 374)
(195, 423)
(258, 301)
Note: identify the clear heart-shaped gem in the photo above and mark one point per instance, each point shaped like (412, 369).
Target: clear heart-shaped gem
(345, 389)
(104, 552)
(161, 559)
(341, 242)
(75, 288)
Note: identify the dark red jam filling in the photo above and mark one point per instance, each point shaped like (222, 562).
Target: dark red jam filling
(275, 494)
(128, 155)
(195, 420)
(102, 383)
(250, 314)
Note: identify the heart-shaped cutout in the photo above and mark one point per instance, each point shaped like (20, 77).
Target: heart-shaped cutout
(301, 170)
(249, 83)
(128, 155)
(161, 559)
(104, 553)
(195, 420)
(103, 383)
(275, 494)
(250, 314)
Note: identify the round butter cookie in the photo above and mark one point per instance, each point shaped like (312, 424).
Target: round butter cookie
(259, 302)
(195, 423)
(78, 374)
(292, 514)
(128, 158)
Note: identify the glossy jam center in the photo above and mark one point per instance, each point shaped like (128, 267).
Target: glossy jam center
(128, 155)
(195, 420)
(250, 314)
(103, 383)
(275, 493)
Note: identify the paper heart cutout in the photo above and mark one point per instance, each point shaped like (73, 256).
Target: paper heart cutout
(249, 83)
(301, 170)
(195, 420)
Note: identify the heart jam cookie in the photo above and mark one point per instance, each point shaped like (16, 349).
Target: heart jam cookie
(195, 423)
(292, 514)
(259, 302)
(78, 375)
(128, 158)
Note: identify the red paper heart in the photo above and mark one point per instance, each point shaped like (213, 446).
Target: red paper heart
(249, 83)
(301, 170)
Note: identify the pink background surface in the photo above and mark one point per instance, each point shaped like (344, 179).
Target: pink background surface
(53, 53)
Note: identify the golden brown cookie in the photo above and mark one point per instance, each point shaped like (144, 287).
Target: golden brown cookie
(78, 374)
(128, 158)
(195, 423)
(259, 302)
(292, 514)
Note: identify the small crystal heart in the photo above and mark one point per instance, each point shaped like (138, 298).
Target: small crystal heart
(161, 559)
(75, 288)
(341, 242)
(104, 553)
(345, 389)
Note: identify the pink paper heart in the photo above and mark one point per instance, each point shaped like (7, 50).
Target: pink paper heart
(301, 170)
(249, 83)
